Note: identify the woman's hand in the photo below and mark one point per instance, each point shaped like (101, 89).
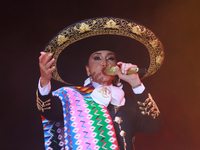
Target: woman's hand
(45, 70)
(132, 79)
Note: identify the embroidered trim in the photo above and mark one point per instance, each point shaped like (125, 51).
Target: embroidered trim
(133, 141)
(105, 92)
(116, 108)
(42, 106)
(119, 120)
(149, 107)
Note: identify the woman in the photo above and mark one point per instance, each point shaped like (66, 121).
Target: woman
(98, 115)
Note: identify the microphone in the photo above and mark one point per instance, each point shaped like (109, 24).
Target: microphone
(112, 70)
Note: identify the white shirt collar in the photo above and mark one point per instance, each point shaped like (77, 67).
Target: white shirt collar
(115, 96)
(95, 84)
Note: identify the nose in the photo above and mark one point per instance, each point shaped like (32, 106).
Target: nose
(105, 63)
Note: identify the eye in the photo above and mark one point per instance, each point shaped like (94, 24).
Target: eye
(97, 58)
(111, 58)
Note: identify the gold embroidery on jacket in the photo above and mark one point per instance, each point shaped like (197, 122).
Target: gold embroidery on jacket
(116, 108)
(122, 133)
(149, 107)
(42, 106)
(133, 141)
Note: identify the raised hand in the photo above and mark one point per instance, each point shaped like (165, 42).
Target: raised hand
(46, 70)
(132, 79)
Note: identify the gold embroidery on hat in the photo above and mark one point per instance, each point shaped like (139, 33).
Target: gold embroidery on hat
(111, 24)
(104, 26)
(159, 59)
(154, 43)
(83, 28)
(137, 29)
(62, 39)
(105, 92)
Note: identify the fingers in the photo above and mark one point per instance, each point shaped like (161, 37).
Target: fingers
(52, 69)
(132, 79)
(46, 70)
(44, 58)
(50, 63)
(126, 66)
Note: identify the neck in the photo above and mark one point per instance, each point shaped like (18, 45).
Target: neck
(95, 84)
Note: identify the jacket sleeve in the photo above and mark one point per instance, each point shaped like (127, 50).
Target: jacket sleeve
(49, 106)
(148, 115)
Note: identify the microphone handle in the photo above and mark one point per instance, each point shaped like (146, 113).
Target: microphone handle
(113, 70)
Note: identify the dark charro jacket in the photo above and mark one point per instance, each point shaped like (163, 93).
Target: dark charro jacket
(139, 114)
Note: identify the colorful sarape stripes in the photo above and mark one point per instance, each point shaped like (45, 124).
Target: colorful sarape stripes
(87, 125)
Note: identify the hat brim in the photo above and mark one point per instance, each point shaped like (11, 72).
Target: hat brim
(132, 43)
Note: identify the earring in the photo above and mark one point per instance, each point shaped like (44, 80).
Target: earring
(115, 82)
(90, 79)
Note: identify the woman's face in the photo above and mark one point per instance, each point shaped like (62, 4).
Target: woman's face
(97, 61)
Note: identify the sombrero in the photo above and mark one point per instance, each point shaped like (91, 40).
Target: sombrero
(132, 42)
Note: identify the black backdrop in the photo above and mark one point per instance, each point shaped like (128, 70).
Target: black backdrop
(27, 26)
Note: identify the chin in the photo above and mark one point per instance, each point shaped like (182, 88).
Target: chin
(104, 79)
(107, 79)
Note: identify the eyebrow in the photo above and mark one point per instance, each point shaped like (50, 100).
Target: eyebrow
(101, 54)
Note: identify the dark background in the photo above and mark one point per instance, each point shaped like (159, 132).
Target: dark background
(27, 26)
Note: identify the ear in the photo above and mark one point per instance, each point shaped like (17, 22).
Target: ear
(87, 70)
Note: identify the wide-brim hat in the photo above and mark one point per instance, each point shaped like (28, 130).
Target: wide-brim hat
(130, 41)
